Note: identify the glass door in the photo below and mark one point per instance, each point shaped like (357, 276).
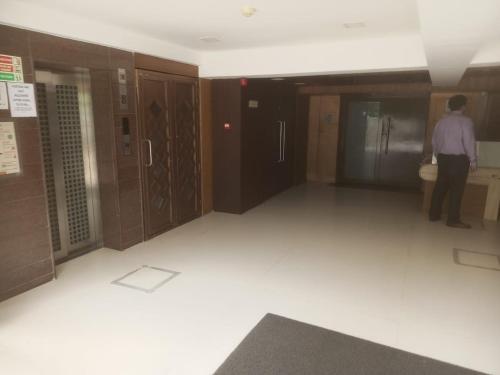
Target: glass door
(362, 141)
(383, 141)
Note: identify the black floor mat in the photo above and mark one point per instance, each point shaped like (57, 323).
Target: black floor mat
(281, 346)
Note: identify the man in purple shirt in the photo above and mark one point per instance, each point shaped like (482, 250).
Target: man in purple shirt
(454, 145)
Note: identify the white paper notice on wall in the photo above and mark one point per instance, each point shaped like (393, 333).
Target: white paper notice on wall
(4, 100)
(21, 99)
(9, 157)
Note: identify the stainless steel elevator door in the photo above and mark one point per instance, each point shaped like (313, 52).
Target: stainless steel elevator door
(68, 144)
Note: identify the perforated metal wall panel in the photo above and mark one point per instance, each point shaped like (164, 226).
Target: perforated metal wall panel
(73, 163)
(41, 93)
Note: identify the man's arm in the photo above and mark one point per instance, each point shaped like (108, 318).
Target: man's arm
(469, 140)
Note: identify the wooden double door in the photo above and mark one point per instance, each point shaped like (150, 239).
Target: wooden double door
(168, 110)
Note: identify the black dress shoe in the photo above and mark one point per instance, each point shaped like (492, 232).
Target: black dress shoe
(459, 224)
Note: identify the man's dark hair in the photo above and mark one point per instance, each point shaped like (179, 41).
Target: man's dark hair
(457, 102)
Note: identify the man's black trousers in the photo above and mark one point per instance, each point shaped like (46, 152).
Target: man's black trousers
(452, 176)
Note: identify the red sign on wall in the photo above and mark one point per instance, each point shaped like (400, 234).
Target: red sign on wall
(5, 59)
(6, 68)
(11, 68)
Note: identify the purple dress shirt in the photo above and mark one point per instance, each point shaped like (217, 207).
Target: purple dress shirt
(454, 135)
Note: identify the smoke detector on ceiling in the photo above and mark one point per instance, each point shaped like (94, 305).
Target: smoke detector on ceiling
(248, 11)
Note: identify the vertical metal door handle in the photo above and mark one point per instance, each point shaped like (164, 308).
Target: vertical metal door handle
(388, 134)
(284, 142)
(150, 153)
(281, 139)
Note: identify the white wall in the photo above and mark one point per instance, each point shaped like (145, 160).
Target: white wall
(389, 53)
(34, 17)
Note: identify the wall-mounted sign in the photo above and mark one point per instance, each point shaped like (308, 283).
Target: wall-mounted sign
(9, 158)
(122, 88)
(253, 104)
(11, 68)
(4, 100)
(22, 100)
(122, 75)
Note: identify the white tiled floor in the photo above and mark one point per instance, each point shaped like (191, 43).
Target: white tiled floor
(366, 263)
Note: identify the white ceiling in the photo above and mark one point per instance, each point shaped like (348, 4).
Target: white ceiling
(284, 37)
(454, 32)
(276, 22)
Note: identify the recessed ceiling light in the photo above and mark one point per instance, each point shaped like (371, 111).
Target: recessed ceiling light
(354, 25)
(299, 83)
(248, 11)
(277, 79)
(209, 39)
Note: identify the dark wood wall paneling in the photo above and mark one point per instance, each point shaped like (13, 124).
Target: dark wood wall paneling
(206, 130)
(157, 64)
(301, 139)
(475, 80)
(380, 88)
(119, 181)
(485, 80)
(226, 107)
(26, 257)
(246, 170)
(128, 174)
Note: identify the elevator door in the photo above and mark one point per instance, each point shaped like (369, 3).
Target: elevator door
(68, 145)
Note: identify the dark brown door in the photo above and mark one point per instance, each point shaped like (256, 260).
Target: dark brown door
(187, 179)
(157, 152)
(282, 124)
